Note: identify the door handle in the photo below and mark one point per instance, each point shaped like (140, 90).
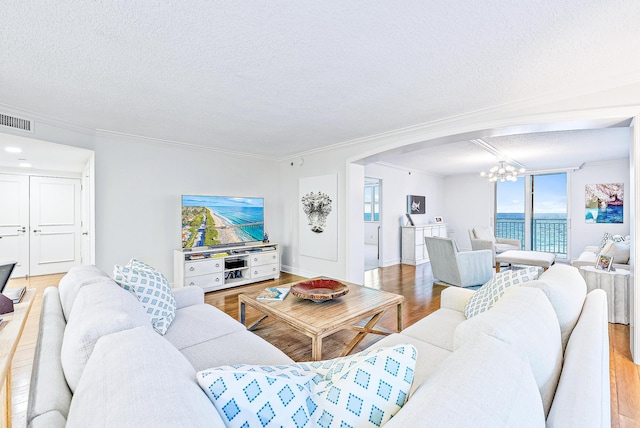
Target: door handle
(85, 233)
(36, 230)
(23, 229)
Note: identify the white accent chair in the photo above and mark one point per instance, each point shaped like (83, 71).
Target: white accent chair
(463, 269)
(483, 238)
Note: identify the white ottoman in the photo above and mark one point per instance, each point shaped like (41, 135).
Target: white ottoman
(616, 285)
(527, 258)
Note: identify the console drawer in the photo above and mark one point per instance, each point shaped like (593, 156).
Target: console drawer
(265, 270)
(205, 281)
(202, 267)
(258, 259)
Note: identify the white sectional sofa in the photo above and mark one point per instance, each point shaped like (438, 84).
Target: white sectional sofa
(539, 356)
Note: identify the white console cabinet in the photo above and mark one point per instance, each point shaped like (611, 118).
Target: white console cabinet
(414, 250)
(216, 269)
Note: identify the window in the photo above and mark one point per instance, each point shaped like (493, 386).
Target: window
(541, 224)
(372, 200)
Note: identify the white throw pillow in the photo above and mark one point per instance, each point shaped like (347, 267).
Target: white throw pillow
(152, 290)
(485, 233)
(365, 390)
(487, 295)
(620, 251)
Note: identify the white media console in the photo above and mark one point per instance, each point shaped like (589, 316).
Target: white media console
(218, 268)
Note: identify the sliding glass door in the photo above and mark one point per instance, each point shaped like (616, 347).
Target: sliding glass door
(549, 213)
(534, 210)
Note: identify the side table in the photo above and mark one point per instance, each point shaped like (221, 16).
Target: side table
(10, 332)
(616, 285)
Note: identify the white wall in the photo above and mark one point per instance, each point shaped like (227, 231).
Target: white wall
(292, 261)
(139, 187)
(397, 183)
(582, 233)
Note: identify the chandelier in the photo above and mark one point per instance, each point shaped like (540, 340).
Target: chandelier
(502, 173)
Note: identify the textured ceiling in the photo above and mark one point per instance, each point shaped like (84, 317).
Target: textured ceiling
(279, 78)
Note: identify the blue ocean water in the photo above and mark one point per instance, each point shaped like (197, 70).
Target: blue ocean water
(549, 230)
(249, 220)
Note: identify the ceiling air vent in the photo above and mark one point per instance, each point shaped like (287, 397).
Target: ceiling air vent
(16, 123)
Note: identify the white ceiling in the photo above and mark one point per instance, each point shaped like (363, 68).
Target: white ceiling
(280, 78)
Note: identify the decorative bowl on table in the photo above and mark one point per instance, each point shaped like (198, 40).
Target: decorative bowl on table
(319, 289)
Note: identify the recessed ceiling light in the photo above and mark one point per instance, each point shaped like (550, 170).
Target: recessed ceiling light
(13, 149)
(24, 165)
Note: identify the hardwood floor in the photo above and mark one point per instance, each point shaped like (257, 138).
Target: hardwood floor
(421, 298)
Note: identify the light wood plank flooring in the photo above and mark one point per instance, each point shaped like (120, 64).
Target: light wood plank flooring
(421, 298)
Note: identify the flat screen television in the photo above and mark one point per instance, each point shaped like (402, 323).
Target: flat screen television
(212, 221)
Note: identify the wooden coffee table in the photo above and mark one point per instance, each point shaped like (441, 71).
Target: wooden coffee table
(319, 320)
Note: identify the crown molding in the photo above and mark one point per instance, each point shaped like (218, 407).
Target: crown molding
(121, 136)
(39, 118)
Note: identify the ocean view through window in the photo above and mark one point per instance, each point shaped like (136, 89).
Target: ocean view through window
(546, 223)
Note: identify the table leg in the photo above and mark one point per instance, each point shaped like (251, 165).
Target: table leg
(316, 348)
(400, 320)
(7, 399)
(365, 330)
(242, 311)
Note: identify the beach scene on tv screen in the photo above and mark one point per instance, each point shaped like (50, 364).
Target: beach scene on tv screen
(221, 220)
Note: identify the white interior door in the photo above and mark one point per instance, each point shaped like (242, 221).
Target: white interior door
(14, 222)
(85, 221)
(55, 224)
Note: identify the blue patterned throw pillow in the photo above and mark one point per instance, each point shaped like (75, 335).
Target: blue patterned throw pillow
(260, 396)
(152, 290)
(364, 390)
(487, 295)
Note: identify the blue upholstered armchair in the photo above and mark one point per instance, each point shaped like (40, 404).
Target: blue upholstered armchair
(463, 269)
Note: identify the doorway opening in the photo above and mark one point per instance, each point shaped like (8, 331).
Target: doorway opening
(372, 231)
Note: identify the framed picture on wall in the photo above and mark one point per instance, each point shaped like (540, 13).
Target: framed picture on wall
(416, 204)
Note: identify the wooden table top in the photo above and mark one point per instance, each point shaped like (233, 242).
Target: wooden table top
(11, 329)
(324, 318)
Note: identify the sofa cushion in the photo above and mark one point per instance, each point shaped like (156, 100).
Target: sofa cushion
(524, 318)
(199, 323)
(485, 383)
(566, 290)
(429, 356)
(99, 310)
(241, 347)
(487, 295)
(71, 283)
(437, 328)
(152, 289)
(157, 388)
(365, 389)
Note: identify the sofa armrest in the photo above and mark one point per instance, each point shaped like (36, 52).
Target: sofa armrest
(508, 241)
(188, 296)
(455, 298)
